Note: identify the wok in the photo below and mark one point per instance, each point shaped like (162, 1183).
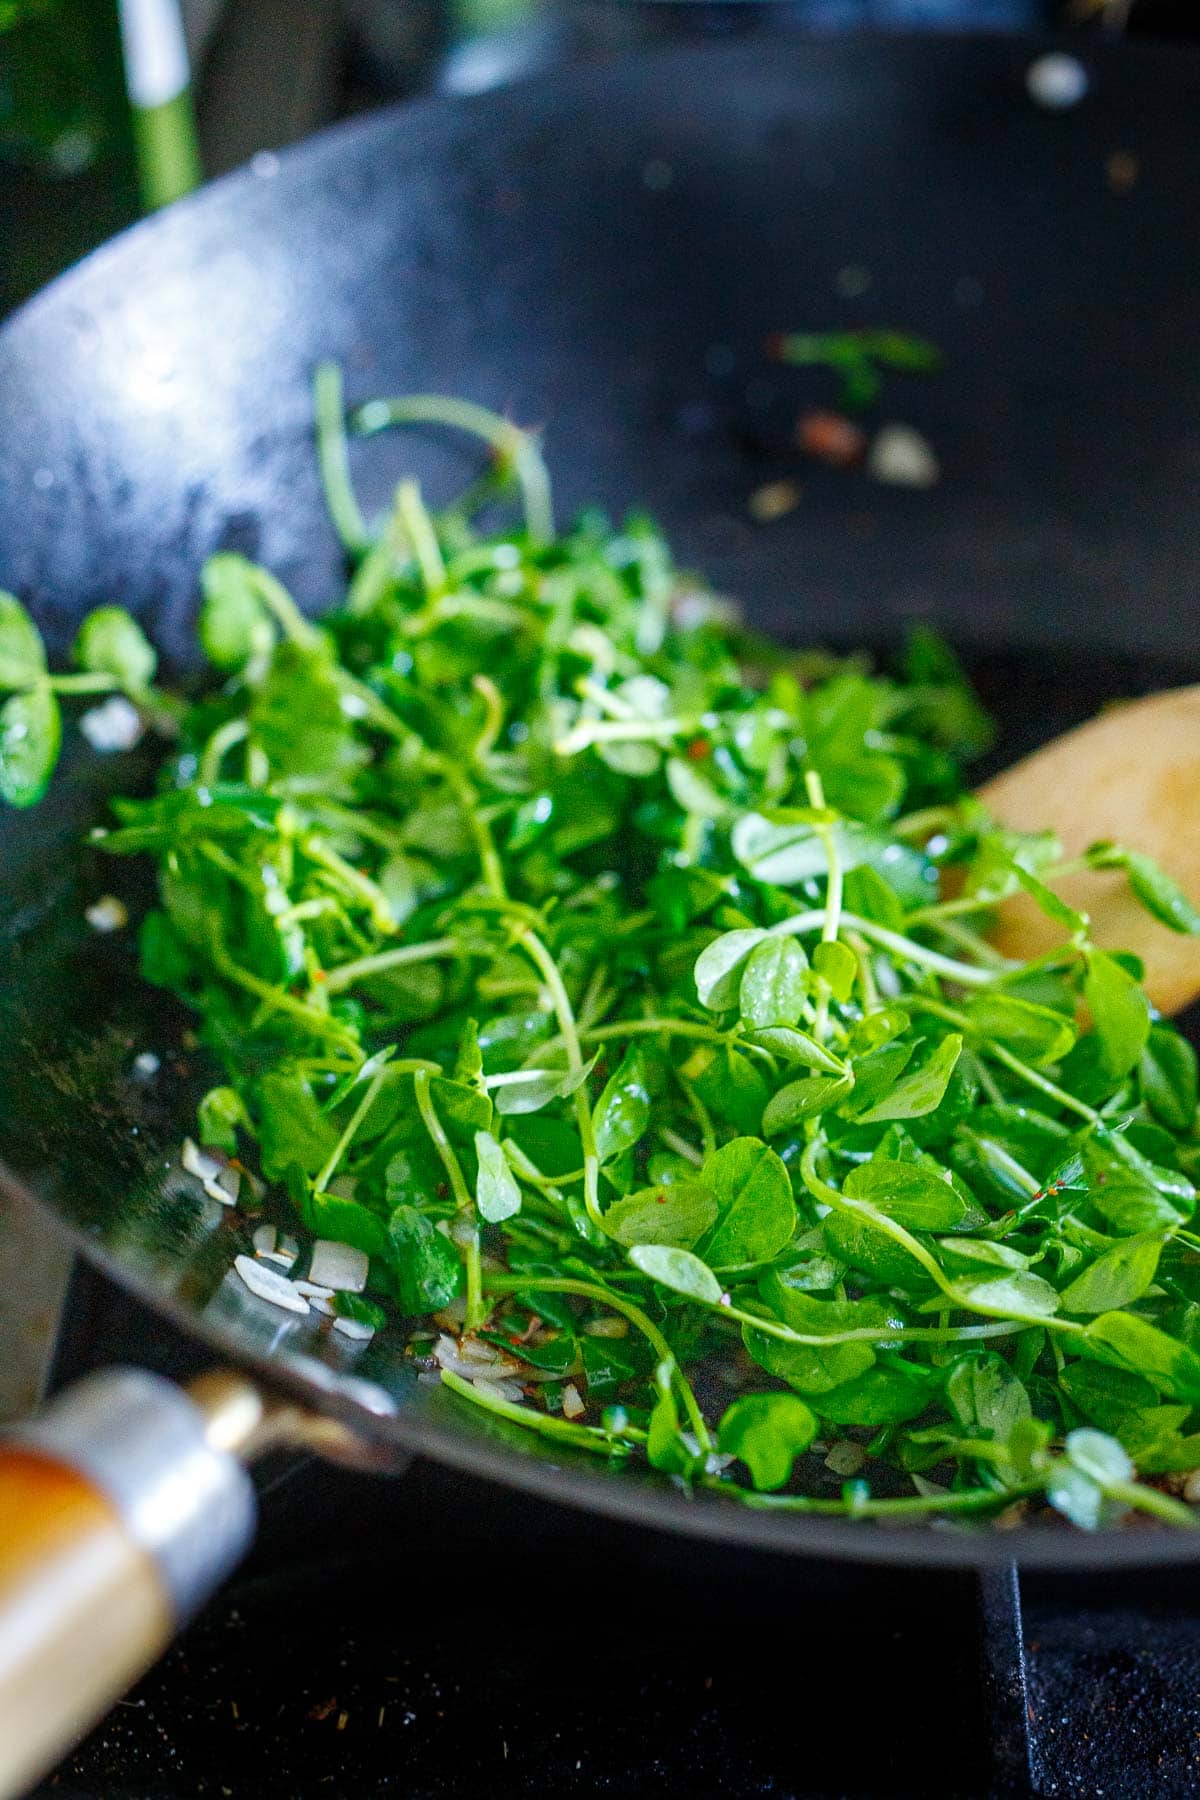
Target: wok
(604, 252)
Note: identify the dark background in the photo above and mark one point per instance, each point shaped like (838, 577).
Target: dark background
(268, 72)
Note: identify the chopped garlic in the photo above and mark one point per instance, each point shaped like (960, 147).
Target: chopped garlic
(267, 1285)
(339, 1266)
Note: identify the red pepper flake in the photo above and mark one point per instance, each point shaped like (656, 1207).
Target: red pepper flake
(660, 1199)
(320, 975)
(442, 1189)
(698, 749)
(831, 439)
(322, 1710)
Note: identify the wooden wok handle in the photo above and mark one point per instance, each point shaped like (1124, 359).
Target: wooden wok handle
(120, 1511)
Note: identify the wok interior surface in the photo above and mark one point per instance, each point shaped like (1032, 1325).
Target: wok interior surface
(517, 252)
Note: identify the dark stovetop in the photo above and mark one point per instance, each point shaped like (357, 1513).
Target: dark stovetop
(434, 1637)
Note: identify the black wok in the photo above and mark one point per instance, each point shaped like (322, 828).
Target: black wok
(604, 252)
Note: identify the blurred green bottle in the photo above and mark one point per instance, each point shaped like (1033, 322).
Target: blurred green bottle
(77, 162)
(68, 168)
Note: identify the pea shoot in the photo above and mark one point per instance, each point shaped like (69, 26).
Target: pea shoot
(620, 985)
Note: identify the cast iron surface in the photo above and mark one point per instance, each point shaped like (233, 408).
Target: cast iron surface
(604, 252)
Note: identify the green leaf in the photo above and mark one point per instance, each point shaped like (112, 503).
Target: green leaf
(868, 894)
(1037, 1034)
(753, 1194)
(426, 1271)
(1116, 1279)
(30, 739)
(1105, 1393)
(877, 1028)
(1051, 903)
(678, 1270)
(814, 1368)
(346, 1222)
(1162, 897)
(1133, 1343)
(915, 1197)
(802, 1100)
(768, 1432)
(774, 984)
(1078, 1498)
(291, 1126)
(883, 1396)
(111, 642)
(497, 1194)
(985, 1397)
(623, 1109)
(606, 1366)
(731, 1086)
(837, 964)
(298, 721)
(1131, 1205)
(1099, 1456)
(360, 1309)
(666, 1447)
(921, 1090)
(876, 1074)
(235, 627)
(218, 1116)
(528, 1090)
(1010, 1296)
(22, 656)
(857, 1241)
(807, 1368)
(1168, 1078)
(1120, 1013)
(781, 848)
(720, 965)
(677, 1214)
(968, 1255)
(797, 1049)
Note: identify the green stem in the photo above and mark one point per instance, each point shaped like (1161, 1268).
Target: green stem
(1000, 1054)
(512, 446)
(347, 1138)
(418, 528)
(490, 866)
(365, 966)
(960, 1298)
(353, 881)
(970, 1500)
(1149, 1500)
(582, 1437)
(91, 683)
(966, 974)
(279, 1000)
(947, 909)
(234, 731)
(905, 1334)
(589, 1290)
(618, 731)
(476, 1311)
(564, 1012)
(924, 823)
(333, 457)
